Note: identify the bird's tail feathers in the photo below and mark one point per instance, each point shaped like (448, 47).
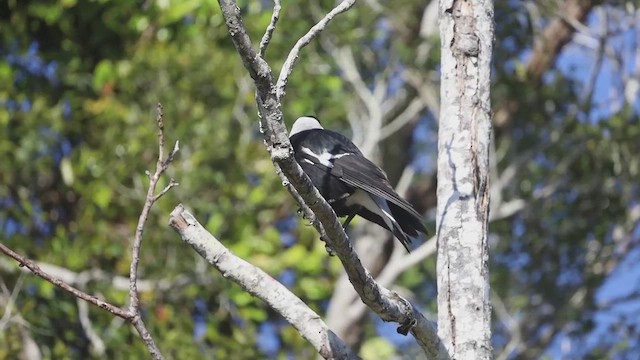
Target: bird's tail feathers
(409, 222)
(405, 240)
(392, 223)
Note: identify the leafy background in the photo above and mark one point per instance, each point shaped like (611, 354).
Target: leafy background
(79, 81)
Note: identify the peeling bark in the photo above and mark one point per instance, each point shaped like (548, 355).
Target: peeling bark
(464, 310)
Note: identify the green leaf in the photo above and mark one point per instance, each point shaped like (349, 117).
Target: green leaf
(377, 348)
(103, 73)
(102, 196)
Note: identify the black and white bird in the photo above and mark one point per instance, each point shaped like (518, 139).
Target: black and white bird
(351, 183)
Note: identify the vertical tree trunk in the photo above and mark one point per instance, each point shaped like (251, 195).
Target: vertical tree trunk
(464, 311)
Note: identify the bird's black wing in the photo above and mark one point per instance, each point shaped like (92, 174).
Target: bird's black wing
(360, 172)
(349, 166)
(320, 141)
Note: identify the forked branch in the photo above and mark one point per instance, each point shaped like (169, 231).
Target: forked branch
(387, 304)
(132, 314)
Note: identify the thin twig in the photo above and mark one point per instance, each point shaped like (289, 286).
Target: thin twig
(161, 167)
(172, 184)
(151, 198)
(287, 67)
(116, 282)
(35, 269)
(266, 38)
(590, 85)
(343, 57)
(404, 262)
(133, 314)
(255, 64)
(160, 121)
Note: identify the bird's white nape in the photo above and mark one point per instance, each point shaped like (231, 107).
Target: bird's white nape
(325, 158)
(304, 123)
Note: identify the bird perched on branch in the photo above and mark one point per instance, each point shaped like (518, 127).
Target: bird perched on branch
(352, 184)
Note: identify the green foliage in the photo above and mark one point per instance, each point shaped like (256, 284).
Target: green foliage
(377, 348)
(78, 138)
(114, 63)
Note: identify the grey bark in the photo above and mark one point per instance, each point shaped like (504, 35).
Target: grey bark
(464, 310)
(387, 304)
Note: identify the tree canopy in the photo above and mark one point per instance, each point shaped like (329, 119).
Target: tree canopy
(79, 82)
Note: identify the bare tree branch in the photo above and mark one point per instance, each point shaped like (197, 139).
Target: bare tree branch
(287, 68)
(161, 166)
(557, 34)
(117, 282)
(266, 38)
(371, 100)
(401, 263)
(133, 314)
(172, 184)
(30, 349)
(599, 60)
(387, 304)
(35, 269)
(261, 285)
(409, 114)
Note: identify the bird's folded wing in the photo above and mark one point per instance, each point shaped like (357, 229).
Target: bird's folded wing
(359, 172)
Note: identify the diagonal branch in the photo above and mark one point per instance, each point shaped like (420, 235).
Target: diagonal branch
(116, 282)
(266, 38)
(97, 343)
(255, 64)
(261, 285)
(287, 68)
(133, 314)
(161, 167)
(10, 301)
(35, 269)
(387, 304)
(134, 298)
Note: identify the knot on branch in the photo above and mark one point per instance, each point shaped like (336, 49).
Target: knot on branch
(181, 219)
(408, 312)
(281, 152)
